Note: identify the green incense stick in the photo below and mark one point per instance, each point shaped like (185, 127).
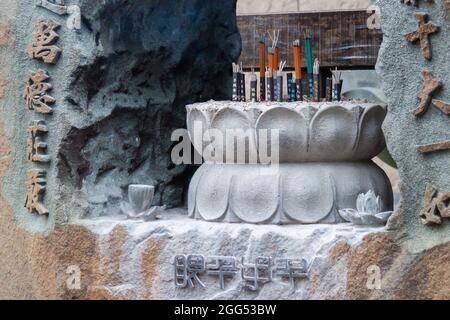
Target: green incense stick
(309, 56)
(309, 65)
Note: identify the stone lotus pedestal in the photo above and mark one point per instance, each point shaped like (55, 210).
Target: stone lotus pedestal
(325, 152)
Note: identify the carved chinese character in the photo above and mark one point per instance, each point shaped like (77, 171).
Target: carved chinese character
(187, 270)
(441, 105)
(430, 85)
(255, 273)
(59, 7)
(424, 30)
(44, 38)
(35, 147)
(180, 269)
(222, 267)
(434, 147)
(436, 206)
(35, 191)
(36, 92)
(291, 269)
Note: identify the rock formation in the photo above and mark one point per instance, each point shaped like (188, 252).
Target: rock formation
(120, 83)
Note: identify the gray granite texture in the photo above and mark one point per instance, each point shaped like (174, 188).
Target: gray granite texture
(400, 65)
(121, 85)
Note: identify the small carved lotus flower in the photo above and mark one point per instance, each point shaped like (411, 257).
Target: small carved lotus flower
(368, 207)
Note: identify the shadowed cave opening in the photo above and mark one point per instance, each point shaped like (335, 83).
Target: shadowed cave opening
(149, 62)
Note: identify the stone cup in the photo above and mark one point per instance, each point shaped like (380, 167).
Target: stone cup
(140, 197)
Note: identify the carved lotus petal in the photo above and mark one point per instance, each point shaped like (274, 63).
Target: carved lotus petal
(334, 132)
(292, 128)
(292, 193)
(192, 193)
(213, 205)
(254, 199)
(362, 218)
(308, 131)
(370, 132)
(351, 215)
(307, 195)
(197, 124)
(368, 203)
(230, 121)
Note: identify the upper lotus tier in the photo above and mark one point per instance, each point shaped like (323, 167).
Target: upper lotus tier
(308, 132)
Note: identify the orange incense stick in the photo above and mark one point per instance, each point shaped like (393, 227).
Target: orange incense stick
(271, 59)
(262, 59)
(275, 58)
(297, 60)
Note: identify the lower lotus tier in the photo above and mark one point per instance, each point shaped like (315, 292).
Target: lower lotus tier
(302, 193)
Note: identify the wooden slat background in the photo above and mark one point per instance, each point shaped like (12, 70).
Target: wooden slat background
(340, 39)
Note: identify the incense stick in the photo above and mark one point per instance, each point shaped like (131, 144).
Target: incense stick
(309, 65)
(275, 38)
(297, 60)
(242, 82)
(236, 82)
(291, 87)
(275, 58)
(329, 90)
(253, 86)
(269, 81)
(298, 71)
(279, 87)
(316, 78)
(337, 84)
(262, 70)
(270, 52)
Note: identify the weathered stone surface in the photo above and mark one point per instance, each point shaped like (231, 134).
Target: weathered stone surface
(102, 96)
(132, 90)
(120, 88)
(413, 2)
(133, 260)
(5, 30)
(125, 82)
(153, 246)
(339, 259)
(400, 66)
(376, 249)
(427, 277)
(2, 86)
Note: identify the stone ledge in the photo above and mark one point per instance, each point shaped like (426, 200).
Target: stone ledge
(146, 254)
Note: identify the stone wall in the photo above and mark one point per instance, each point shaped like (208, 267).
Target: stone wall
(400, 66)
(120, 86)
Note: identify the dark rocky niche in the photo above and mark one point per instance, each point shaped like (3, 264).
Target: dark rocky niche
(150, 59)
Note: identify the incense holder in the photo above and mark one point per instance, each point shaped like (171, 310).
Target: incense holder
(323, 163)
(329, 131)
